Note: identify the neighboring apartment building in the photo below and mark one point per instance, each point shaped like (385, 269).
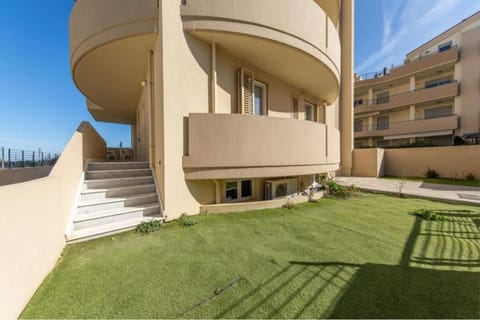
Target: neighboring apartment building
(432, 98)
(229, 100)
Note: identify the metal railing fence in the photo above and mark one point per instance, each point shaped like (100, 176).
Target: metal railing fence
(14, 158)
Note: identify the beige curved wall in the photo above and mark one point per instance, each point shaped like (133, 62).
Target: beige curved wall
(94, 23)
(304, 28)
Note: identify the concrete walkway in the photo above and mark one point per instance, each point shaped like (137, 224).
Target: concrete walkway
(418, 189)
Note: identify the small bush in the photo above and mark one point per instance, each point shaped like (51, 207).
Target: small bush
(148, 226)
(332, 188)
(470, 177)
(185, 221)
(431, 173)
(429, 215)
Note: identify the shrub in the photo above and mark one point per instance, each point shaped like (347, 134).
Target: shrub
(429, 215)
(470, 177)
(148, 226)
(431, 173)
(332, 188)
(185, 221)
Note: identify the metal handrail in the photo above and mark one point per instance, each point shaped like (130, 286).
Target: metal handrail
(374, 127)
(386, 71)
(372, 102)
(15, 158)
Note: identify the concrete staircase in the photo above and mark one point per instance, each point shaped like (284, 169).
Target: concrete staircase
(116, 196)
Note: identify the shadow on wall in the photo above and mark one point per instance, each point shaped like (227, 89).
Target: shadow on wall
(22, 175)
(433, 279)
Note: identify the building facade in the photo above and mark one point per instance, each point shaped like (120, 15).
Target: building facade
(229, 100)
(432, 99)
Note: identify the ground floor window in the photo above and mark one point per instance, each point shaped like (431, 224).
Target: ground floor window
(238, 190)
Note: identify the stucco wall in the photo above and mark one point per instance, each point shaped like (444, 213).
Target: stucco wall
(449, 162)
(33, 219)
(21, 175)
(368, 162)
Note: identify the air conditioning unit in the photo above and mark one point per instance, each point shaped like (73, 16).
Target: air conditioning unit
(280, 188)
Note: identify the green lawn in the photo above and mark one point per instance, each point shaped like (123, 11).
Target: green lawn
(365, 257)
(456, 182)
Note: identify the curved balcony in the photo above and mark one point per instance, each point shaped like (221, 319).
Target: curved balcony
(224, 146)
(109, 45)
(296, 43)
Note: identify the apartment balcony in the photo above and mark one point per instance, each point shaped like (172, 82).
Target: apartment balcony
(415, 67)
(445, 91)
(295, 42)
(414, 127)
(224, 146)
(109, 45)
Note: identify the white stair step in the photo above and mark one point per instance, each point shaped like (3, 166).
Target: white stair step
(115, 215)
(98, 194)
(118, 182)
(119, 165)
(112, 174)
(109, 229)
(92, 206)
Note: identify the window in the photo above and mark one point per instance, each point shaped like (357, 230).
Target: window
(238, 190)
(260, 99)
(309, 111)
(358, 125)
(231, 191)
(358, 102)
(437, 82)
(438, 112)
(246, 188)
(383, 97)
(444, 46)
(383, 123)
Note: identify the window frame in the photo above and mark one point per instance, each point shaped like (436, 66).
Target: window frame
(240, 196)
(312, 107)
(264, 87)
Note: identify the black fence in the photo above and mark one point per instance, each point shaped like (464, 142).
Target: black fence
(13, 158)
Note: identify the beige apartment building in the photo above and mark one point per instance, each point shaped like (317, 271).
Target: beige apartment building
(230, 101)
(433, 98)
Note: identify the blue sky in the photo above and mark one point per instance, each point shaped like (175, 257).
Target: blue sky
(40, 107)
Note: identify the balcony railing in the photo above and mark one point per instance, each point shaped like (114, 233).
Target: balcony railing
(440, 91)
(14, 158)
(407, 127)
(387, 70)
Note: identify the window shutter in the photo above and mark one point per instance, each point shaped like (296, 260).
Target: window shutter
(245, 90)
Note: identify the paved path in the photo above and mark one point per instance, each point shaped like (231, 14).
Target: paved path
(440, 192)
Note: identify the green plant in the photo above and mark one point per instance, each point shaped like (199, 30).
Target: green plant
(148, 226)
(470, 177)
(185, 220)
(332, 188)
(429, 215)
(431, 173)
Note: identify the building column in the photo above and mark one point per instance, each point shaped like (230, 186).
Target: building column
(301, 106)
(218, 196)
(370, 123)
(412, 112)
(346, 92)
(412, 84)
(213, 97)
(370, 96)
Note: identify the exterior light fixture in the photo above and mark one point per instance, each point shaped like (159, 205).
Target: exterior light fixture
(143, 83)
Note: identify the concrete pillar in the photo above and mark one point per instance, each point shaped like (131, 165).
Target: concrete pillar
(346, 92)
(370, 123)
(218, 196)
(412, 84)
(412, 112)
(213, 97)
(301, 106)
(370, 96)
